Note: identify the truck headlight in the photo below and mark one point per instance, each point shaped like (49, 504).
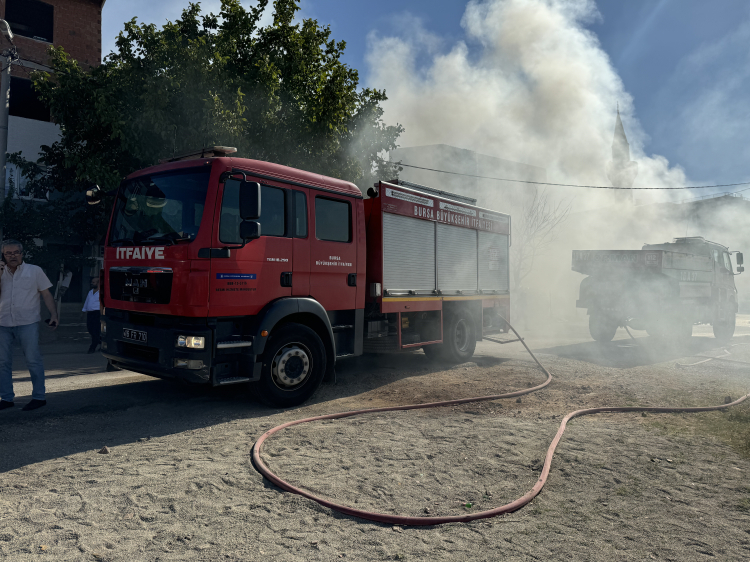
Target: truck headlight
(103, 325)
(191, 342)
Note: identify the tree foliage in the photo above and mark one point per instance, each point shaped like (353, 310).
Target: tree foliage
(279, 93)
(35, 211)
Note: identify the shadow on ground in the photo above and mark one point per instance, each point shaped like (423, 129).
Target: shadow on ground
(131, 407)
(626, 354)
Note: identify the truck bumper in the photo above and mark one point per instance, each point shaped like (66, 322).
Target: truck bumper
(152, 350)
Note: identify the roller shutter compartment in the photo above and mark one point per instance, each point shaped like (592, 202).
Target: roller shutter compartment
(408, 253)
(457, 258)
(493, 261)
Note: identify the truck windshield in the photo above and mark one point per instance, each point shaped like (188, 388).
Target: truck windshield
(160, 208)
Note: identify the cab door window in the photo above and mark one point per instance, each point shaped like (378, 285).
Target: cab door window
(333, 220)
(272, 206)
(727, 262)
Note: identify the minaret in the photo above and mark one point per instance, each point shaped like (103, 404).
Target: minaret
(621, 171)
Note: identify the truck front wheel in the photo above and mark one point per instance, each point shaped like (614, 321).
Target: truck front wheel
(602, 327)
(294, 362)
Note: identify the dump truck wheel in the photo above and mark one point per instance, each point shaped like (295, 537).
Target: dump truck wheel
(602, 327)
(294, 363)
(459, 339)
(724, 329)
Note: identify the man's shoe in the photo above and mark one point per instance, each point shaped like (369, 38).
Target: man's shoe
(5, 404)
(92, 349)
(34, 404)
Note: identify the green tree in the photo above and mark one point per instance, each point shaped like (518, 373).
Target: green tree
(34, 211)
(278, 93)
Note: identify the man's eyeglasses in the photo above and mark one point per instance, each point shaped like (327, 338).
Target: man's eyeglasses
(11, 254)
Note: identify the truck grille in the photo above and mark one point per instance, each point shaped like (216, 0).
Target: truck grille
(141, 284)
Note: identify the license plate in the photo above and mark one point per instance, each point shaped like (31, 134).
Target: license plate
(134, 335)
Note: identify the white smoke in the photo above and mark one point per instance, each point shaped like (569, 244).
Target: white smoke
(529, 83)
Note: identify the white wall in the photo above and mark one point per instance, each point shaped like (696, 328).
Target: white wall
(27, 136)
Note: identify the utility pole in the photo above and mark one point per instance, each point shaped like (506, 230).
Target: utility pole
(7, 59)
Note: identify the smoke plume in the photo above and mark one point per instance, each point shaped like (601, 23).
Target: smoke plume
(529, 83)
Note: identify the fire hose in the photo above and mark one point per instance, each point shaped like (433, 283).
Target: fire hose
(437, 520)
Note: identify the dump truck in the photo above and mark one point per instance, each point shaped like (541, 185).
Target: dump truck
(664, 289)
(221, 270)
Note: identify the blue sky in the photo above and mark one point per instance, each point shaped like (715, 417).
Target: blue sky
(680, 66)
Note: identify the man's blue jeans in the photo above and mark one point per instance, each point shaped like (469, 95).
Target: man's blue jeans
(28, 337)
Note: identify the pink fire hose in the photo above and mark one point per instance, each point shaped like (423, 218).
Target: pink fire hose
(507, 508)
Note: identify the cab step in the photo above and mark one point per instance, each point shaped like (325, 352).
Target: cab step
(232, 380)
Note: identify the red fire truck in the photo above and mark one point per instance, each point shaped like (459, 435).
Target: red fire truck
(221, 270)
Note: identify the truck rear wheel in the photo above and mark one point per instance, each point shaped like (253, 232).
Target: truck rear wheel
(602, 327)
(724, 329)
(459, 337)
(294, 362)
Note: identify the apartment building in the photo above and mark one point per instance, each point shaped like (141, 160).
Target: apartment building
(75, 25)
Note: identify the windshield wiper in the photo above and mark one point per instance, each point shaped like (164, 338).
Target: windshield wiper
(165, 239)
(120, 241)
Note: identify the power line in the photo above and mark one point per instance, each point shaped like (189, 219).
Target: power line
(572, 185)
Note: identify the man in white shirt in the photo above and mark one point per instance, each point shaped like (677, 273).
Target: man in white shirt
(91, 308)
(21, 285)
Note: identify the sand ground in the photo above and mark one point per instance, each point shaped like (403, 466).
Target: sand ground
(178, 483)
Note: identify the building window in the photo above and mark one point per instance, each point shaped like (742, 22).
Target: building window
(21, 188)
(25, 102)
(30, 18)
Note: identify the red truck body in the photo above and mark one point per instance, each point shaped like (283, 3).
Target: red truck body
(185, 297)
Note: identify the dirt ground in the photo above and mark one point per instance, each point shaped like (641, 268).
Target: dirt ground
(178, 482)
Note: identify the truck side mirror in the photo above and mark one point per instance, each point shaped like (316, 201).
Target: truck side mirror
(249, 230)
(94, 195)
(250, 201)
(739, 258)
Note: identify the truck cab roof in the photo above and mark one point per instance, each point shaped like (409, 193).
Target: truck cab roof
(261, 169)
(696, 245)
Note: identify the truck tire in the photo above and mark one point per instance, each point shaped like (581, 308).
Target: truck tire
(724, 329)
(294, 362)
(602, 327)
(459, 337)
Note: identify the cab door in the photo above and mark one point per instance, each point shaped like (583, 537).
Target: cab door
(244, 279)
(299, 232)
(333, 252)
